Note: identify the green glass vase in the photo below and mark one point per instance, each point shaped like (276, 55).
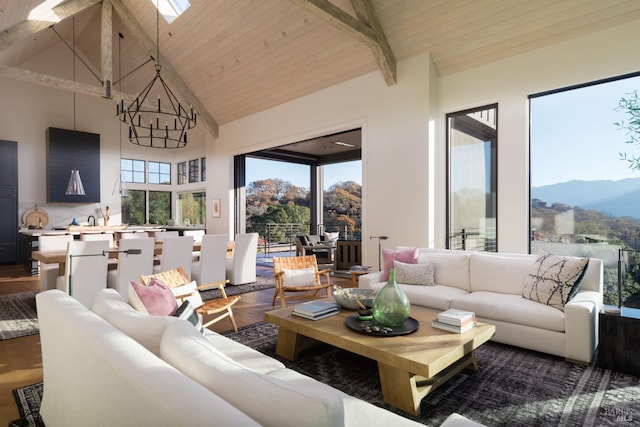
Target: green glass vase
(391, 306)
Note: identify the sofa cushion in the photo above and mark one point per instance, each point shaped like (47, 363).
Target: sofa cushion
(452, 269)
(242, 354)
(495, 272)
(415, 274)
(511, 308)
(145, 329)
(553, 280)
(408, 256)
(269, 401)
(331, 238)
(157, 298)
(437, 297)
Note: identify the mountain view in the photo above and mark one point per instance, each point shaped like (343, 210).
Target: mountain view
(616, 198)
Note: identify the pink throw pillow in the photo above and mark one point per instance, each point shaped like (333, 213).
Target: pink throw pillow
(156, 297)
(408, 256)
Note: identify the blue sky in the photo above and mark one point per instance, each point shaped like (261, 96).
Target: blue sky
(299, 174)
(573, 135)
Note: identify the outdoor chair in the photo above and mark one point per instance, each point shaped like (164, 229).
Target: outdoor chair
(300, 275)
(184, 289)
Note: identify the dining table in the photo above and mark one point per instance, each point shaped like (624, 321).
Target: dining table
(60, 256)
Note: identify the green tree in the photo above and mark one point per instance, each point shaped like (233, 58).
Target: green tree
(630, 105)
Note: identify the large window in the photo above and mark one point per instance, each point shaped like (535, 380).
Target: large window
(159, 173)
(583, 192)
(192, 208)
(134, 207)
(132, 170)
(472, 142)
(159, 207)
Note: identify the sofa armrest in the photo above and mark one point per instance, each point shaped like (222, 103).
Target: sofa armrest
(366, 280)
(581, 325)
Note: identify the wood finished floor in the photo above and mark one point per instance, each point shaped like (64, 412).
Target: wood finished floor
(21, 359)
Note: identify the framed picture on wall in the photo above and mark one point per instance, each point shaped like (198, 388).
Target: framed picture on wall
(216, 208)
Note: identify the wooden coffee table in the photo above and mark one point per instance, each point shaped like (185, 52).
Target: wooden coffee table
(410, 366)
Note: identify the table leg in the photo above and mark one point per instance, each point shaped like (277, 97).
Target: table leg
(405, 390)
(290, 343)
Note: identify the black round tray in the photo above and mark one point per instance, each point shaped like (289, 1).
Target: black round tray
(410, 325)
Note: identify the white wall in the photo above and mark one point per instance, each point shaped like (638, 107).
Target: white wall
(597, 56)
(395, 172)
(29, 109)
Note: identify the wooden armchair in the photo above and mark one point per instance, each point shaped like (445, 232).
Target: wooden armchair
(298, 274)
(178, 277)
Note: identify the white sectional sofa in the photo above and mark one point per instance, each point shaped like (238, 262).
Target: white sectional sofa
(114, 366)
(491, 285)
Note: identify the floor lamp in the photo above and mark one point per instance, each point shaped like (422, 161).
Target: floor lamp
(380, 238)
(103, 253)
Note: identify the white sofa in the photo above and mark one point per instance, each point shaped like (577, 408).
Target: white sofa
(114, 366)
(491, 284)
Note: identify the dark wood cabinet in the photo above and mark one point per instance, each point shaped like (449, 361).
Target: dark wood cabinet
(619, 337)
(8, 202)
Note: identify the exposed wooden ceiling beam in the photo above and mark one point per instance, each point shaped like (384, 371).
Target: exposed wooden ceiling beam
(149, 45)
(382, 51)
(59, 83)
(28, 27)
(368, 29)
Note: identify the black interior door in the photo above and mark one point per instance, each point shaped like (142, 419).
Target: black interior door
(8, 202)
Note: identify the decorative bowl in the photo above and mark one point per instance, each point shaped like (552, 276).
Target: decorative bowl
(347, 297)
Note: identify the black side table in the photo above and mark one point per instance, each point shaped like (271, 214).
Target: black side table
(619, 336)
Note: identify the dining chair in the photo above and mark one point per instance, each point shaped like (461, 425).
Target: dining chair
(161, 235)
(85, 270)
(176, 252)
(49, 272)
(85, 237)
(98, 236)
(131, 267)
(210, 267)
(196, 234)
(241, 266)
(184, 289)
(134, 235)
(298, 274)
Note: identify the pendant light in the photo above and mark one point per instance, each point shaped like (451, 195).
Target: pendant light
(74, 187)
(158, 125)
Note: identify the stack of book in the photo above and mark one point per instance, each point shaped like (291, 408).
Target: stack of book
(315, 310)
(360, 268)
(453, 320)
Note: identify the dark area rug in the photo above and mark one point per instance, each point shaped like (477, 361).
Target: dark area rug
(28, 400)
(513, 387)
(260, 284)
(18, 317)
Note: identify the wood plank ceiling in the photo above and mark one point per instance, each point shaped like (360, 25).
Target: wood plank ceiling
(239, 57)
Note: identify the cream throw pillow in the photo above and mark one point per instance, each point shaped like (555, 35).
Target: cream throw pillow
(415, 274)
(299, 276)
(189, 289)
(553, 280)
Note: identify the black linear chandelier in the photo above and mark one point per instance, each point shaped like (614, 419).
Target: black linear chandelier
(153, 124)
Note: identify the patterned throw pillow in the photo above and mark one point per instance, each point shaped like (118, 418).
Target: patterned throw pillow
(553, 280)
(187, 312)
(415, 274)
(408, 256)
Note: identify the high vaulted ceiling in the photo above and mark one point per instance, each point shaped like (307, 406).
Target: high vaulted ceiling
(233, 58)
